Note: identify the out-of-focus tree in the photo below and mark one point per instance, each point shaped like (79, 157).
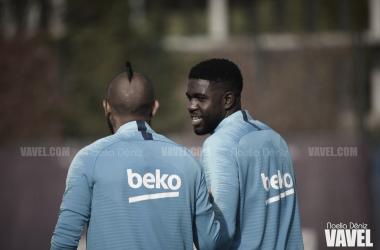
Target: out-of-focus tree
(101, 38)
(30, 103)
(69, 50)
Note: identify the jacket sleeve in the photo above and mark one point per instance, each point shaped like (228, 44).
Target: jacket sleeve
(206, 228)
(222, 177)
(76, 205)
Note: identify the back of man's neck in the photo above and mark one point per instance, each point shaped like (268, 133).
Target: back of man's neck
(121, 121)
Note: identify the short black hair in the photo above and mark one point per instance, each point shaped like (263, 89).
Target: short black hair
(219, 71)
(129, 71)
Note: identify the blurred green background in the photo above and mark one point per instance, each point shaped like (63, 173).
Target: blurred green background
(311, 71)
(62, 96)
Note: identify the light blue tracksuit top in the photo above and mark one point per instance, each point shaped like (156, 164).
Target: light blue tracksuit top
(136, 190)
(249, 171)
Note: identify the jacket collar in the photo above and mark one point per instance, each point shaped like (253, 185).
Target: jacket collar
(135, 126)
(238, 115)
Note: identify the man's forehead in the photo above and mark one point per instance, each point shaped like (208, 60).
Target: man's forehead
(198, 85)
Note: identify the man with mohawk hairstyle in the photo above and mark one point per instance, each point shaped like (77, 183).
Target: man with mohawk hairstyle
(130, 100)
(131, 194)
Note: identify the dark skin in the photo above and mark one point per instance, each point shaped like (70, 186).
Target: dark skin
(210, 103)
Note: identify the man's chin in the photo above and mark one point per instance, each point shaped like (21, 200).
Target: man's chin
(200, 131)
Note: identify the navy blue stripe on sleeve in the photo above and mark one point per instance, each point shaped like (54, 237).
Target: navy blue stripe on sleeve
(245, 117)
(142, 128)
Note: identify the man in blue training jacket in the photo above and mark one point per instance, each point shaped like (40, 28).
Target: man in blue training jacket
(132, 194)
(247, 165)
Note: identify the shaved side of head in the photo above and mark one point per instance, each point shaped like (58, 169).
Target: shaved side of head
(131, 95)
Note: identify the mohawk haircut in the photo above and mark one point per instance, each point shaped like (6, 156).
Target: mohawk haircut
(220, 72)
(117, 93)
(129, 71)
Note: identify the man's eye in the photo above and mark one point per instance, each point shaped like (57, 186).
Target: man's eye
(201, 99)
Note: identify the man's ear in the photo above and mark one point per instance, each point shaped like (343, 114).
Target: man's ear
(154, 108)
(106, 107)
(228, 99)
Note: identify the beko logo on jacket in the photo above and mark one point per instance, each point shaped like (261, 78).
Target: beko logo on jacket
(151, 181)
(278, 182)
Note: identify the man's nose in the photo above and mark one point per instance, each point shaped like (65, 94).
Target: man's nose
(192, 106)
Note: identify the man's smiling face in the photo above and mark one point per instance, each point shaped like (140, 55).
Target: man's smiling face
(205, 105)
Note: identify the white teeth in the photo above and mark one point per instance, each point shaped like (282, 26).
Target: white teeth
(196, 118)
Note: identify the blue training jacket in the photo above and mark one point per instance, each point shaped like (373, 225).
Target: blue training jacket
(136, 190)
(249, 171)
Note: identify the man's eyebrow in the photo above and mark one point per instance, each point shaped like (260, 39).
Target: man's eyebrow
(196, 95)
(200, 94)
